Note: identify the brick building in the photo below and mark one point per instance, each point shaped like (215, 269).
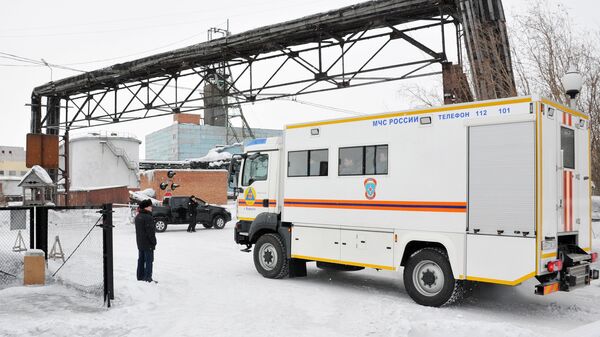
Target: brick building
(208, 185)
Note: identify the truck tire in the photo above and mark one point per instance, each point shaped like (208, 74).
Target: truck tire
(270, 256)
(428, 278)
(161, 225)
(218, 222)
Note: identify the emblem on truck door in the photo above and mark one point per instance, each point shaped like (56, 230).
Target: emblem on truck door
(250, 196)
(370, 185)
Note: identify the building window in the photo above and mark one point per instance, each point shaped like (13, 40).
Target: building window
(12, 173)
(363, 160)
(1, 172)
(313, 163)
(23, 173)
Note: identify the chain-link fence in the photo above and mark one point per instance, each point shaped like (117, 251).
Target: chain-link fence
(14, 242)
(77, 242)
(75, 249)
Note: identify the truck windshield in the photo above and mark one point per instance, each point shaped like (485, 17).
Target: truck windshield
(255, 169)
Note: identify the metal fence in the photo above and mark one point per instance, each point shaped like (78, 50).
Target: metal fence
(77, 242)
(15, 228)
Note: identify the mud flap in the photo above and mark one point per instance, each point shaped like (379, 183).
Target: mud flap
(297, 268)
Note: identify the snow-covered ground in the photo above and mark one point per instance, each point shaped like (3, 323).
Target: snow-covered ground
(207, 287)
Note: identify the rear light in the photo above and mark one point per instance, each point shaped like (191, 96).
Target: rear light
(554, 266)
(594, 256)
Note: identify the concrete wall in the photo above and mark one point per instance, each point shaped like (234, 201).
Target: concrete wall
(208, 185)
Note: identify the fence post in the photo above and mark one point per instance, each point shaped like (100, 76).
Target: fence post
(41, 229)
(107, 250)
(31, 228)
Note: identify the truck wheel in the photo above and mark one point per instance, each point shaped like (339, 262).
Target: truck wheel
(428, 278)
(218, 222)
(207, 225)
(270, 256)
(160, 225)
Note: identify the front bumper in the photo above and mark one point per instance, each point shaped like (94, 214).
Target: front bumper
(240, 232)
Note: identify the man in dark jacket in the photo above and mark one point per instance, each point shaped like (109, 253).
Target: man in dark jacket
(192, 212)
(145, 234)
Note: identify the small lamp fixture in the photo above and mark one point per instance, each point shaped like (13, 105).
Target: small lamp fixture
(572, 82)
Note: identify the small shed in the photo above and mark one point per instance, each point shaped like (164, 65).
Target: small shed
(37, 187)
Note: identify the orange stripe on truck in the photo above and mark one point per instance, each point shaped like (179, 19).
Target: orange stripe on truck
(410, 206)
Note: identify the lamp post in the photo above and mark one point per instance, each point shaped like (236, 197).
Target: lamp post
(572, 82)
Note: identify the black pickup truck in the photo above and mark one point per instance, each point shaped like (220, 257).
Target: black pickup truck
(174, 211)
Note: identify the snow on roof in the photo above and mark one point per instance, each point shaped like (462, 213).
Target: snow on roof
(40, 173)
(215, 154)
(94, 188)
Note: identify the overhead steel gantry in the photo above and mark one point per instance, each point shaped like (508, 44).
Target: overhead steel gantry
(371, 42)
(302, 56)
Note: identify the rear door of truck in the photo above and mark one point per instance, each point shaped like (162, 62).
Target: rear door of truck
(502, 199)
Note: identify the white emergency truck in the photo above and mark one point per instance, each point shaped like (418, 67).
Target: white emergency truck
(493, 191)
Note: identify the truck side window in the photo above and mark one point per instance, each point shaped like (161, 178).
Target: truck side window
(297, 163)
(313, 163)
(567, 145)
(363, 160)
(255, 169)
(351, 161)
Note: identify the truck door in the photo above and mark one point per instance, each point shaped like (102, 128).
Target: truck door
(502, 203)
(258, 175)
(573, 179)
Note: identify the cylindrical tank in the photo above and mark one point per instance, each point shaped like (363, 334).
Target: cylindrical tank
(103, 159)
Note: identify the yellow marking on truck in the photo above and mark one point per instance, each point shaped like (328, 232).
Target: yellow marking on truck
(566, 109)
(549, 255)
(540, 211)
(411, 113)
(590, 177)
(349, 263)
(587, 249)
(503, 282)
(246, 219)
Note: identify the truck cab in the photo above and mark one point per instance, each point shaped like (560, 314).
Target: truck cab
(258, 190)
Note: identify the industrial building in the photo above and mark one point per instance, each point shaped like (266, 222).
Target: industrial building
(186, 138)
(12, 169)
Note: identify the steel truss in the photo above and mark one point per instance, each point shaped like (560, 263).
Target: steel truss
(322, 66)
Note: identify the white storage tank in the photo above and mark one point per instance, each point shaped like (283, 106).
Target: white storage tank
(104, 159)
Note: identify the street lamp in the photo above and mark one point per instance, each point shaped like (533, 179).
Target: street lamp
(572, 82)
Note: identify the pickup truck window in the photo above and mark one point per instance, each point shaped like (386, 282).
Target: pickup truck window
(255, 169)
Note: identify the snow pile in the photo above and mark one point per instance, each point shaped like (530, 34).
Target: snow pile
(148, 193)
(596, 208)
(216, 154)
(40, 172)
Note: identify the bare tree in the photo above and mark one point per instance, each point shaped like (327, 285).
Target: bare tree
(545, 44)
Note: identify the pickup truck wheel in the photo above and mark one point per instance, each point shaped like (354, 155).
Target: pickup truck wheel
(160, 225)
(428, 278)
(218, 222)
(207, 225)
(270, 257)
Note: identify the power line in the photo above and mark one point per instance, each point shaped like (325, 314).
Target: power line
(36, 62)
(323, 106)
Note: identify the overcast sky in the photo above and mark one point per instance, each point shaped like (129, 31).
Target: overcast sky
(88, 36)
